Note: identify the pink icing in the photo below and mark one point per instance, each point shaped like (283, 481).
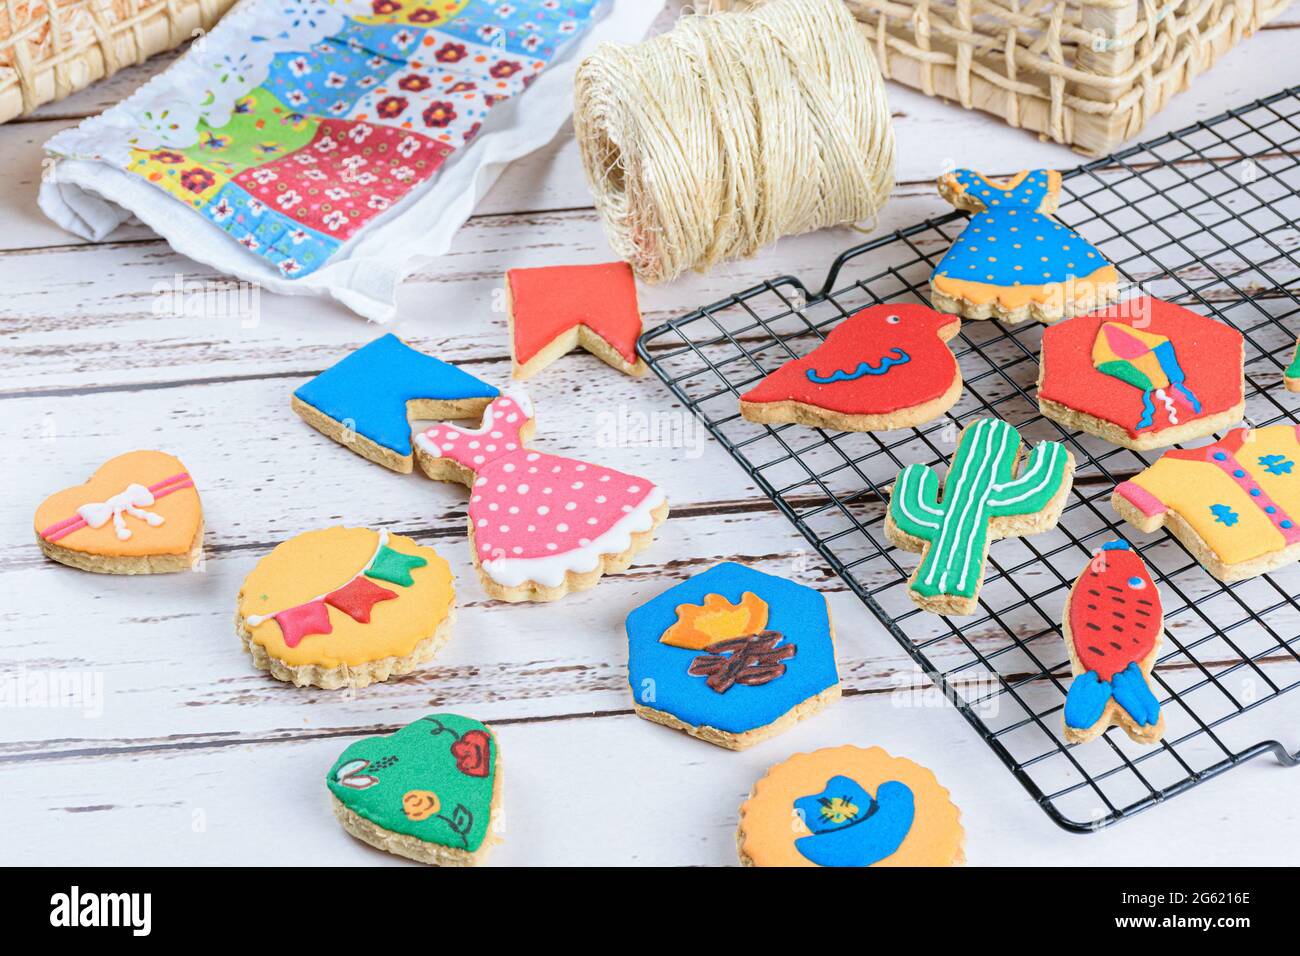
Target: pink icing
(1140, 498)
(527, 504)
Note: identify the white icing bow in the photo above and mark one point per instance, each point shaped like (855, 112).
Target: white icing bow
(130, 501)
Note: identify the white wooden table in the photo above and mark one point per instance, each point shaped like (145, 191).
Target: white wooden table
(195, 757)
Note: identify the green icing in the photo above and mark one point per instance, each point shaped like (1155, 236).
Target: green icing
(1293, 370)
(394, 566)
(448, 755)
(981, 485)
(1126, 372)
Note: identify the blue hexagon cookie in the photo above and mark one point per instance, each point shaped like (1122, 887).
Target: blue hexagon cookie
(732, 656)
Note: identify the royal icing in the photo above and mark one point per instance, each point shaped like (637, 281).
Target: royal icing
(345, 596)
(1240, 495)
(1144, 365)
(732, 648)
(369, 390)
(547, 303)
(882, 359)
(432, 780)
(1291, 377)
(140, 503)
(1011, 250)
(850, 806)
(982, 484)
(1115, 621)
(536, 516)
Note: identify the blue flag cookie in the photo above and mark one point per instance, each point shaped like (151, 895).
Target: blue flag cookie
(1013, 261)
(366, 400)
(732, 656)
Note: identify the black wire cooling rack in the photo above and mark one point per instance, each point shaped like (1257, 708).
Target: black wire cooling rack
(1206, 217)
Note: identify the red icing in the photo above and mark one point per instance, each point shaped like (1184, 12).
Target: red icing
(1113, 623)
(303, 621)
(547, 302)
(357, 597)
(1206, 350)
(869, 336)
(471, 753)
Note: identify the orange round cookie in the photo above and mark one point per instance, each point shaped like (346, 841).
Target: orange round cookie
(849, 806)
(139, 513)
(345, 607)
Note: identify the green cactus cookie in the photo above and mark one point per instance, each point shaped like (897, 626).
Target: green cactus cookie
(983, 499)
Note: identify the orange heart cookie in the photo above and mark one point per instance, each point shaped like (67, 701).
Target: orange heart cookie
(138, 514)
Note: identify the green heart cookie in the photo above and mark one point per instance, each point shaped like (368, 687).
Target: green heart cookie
(433, 780)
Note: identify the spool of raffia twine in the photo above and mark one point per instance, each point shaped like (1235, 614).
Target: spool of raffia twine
(713, 140)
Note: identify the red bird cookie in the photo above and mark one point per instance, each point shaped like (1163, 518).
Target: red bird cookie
(888, 366)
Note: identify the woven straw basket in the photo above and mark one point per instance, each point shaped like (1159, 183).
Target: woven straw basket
(1088, 73)
(51, 48)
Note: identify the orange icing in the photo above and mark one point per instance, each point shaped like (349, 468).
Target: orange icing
(771, 826)
(181, 511)
(1014, 297)
(717, 619)
(319, 561)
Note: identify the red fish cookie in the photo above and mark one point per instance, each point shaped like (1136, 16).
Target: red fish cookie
(1142, 374)
(849, 806)
(1113, 625)
(888, 366)
(138, 514)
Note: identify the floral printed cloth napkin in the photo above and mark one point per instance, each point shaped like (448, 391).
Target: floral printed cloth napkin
(318, 145)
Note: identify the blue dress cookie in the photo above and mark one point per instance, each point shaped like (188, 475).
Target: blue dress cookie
(365, 400)
(732, 656)
(1013, 261)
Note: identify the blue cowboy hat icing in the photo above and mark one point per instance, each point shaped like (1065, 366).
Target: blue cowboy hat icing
(850, 827)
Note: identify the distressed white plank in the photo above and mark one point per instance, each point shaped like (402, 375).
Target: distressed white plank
(675, 801)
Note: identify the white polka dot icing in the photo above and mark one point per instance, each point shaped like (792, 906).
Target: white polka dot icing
(568, 534)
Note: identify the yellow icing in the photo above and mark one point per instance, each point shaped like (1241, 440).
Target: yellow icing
(1018, 296)
(771, 826)
(717, 619)
(181, 511)
(1191, 487)
(317, 562)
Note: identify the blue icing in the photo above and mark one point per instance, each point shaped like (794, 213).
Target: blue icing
(1276, 464)
(850, 827)
(658, 674)
(1088, 696)
(1223, 514)
(987, 252)
(889, 360)
(370, 389)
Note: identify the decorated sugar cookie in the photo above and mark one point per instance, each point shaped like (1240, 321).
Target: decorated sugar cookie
(1013, 261)
(1142, 374)
(849, 806)
(989, 494)
(1291, 378)
(1113, 626)
(345, 607)
(1233, 504)
(366, 400)
(540, 525)
(888, 366)
(138, 514)
(732, 656)
(427, 792)
(555, 309)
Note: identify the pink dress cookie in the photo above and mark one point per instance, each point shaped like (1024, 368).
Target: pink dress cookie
(540, 525)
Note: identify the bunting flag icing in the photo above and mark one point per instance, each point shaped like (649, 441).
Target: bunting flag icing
(354, 598)
(363, 401)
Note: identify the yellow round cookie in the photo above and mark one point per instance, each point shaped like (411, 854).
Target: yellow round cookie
(345, 606)
(849, 806)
